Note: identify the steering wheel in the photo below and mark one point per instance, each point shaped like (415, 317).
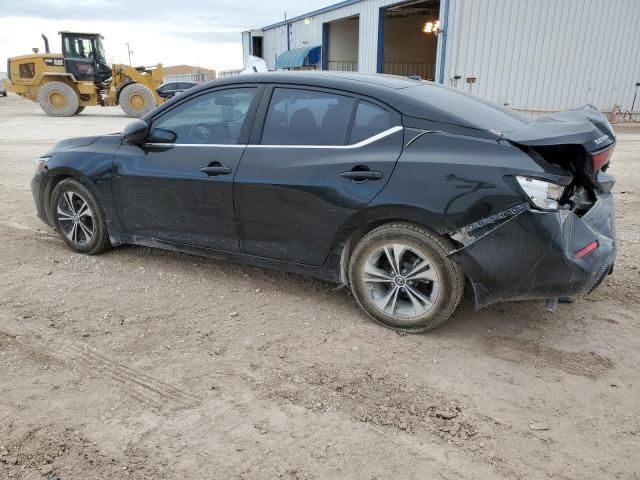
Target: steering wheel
(200, 133)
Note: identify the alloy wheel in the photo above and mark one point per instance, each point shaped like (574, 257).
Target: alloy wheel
(75, 218)
(401, 281)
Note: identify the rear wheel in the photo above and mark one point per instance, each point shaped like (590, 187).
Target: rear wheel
(137, 100)
(78, 217)
(58, 99)
(401, 276)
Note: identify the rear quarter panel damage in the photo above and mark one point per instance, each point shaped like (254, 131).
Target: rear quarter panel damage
(531, 254)
(456, 180)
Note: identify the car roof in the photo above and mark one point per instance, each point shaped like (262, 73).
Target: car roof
(325, 78)
(411, 97)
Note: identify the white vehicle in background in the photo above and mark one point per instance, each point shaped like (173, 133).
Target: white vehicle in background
(254, 65)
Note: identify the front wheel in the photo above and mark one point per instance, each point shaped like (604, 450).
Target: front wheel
(401, 277)
(78, 217)
(137, 100)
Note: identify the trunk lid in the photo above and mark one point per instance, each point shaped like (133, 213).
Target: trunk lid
(580, 141)
(585, 126)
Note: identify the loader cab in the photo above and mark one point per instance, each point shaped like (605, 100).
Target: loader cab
(84, 56)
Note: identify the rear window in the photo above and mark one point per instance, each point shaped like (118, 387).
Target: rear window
(475, 112)
(307, 117)
(369, 121)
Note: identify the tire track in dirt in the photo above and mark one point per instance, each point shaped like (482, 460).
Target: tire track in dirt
(583, 363)
(92, 364)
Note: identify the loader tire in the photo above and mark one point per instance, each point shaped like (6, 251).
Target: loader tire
(79, 110)
(137, 100)
(58, 99)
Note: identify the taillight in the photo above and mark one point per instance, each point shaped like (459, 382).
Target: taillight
(583, 252)
(601, 158)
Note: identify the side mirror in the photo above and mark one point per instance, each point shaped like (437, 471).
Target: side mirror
(136, 132)
(162, 135)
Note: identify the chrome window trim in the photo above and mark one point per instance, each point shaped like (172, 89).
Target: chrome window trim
(360, 144)
(171, 145)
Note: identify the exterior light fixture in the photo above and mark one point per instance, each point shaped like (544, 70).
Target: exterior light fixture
(307, 21)
(432, 27)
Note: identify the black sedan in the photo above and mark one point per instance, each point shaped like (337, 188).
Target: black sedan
(398, 188)
(171, 89)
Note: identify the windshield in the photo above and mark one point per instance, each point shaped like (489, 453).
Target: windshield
(99, 51)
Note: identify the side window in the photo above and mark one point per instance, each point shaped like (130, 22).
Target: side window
(305, 117)
(369, 121)
(27, 70)
(78, 48)
(212, 118)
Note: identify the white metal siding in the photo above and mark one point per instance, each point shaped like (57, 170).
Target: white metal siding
(534, 55)
(246, 45)
(303, 35)
(546, 55)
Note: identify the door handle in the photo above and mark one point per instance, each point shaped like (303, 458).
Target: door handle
(362, 175)
(216, 169)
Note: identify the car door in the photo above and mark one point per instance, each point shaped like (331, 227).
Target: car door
(319, 157)
(178, 185)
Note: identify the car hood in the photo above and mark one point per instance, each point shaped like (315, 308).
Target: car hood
(585, 126)
(70, 143)
(79, 142)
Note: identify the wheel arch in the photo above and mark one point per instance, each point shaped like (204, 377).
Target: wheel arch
(54, 177)
(365, 221)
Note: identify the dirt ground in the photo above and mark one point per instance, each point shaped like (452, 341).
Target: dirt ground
(133, 364)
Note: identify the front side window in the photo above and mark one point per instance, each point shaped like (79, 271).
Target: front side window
(306, 117)
(213, 118)
(369, 121)
(76, 47)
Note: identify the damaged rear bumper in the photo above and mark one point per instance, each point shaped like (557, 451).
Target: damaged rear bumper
(525, 254)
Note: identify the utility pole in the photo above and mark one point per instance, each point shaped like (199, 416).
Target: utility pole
(129, 52)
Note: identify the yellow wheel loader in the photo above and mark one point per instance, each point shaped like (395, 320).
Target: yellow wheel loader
(64, 84)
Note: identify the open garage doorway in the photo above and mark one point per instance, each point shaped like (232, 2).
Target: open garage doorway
(340, 45)
(404, 46)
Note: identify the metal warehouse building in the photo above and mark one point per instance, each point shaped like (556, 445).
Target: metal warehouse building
(536, 56)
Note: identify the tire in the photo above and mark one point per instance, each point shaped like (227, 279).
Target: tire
(58, 99)
(68, 201)
(428, 287)
(137, 100)
(80, 110)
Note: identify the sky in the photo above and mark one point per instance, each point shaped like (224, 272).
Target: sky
(204, 33)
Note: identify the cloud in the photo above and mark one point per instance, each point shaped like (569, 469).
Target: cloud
(201, 33)
(194, 13)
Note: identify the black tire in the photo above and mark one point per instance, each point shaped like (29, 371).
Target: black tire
(80, 110)
(418, 242)
(65, 218)
(58, 99)
(137, 100)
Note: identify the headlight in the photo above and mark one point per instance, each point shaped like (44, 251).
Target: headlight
(544, 195)
(41, 163)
